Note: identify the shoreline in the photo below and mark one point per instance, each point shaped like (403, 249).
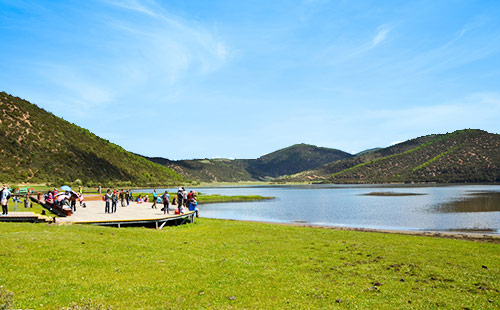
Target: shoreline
(482, 237)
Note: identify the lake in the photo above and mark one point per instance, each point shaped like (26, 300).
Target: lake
(467, 208)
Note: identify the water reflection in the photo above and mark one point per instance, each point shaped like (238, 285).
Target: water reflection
(473, 202)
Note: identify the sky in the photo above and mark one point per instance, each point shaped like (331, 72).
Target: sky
(239, 79)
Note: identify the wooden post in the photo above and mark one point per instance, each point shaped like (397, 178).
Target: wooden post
(118, 225)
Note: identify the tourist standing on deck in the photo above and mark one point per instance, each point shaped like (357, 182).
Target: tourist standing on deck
(166, 202)
(114, 201)
(4, 200)
(155, 198)
(107, 198)
(122, 197)
(127, 196)
(185, 198)
(180, 197)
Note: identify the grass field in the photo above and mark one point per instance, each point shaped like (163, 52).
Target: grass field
(203, 198)
(216, 264)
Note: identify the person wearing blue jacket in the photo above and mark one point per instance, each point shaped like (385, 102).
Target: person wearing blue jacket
(4, 199)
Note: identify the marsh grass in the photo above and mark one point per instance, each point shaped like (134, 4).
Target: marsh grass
(215, 264)
(203, 198)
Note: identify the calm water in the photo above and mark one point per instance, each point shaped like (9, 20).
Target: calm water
(472, 208)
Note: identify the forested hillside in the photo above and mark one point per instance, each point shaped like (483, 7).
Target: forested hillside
(289, 160)
(39, 147)
(461, 156)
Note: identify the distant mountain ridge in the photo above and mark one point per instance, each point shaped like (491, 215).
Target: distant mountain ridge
(289, 160)
(39, 147)
(468, 156)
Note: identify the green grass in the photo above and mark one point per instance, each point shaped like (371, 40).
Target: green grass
(221, 198)
(216, 264)
(35, 208)
(202, 198)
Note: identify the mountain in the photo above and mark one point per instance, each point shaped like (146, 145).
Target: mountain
(39, 147)
(289, 160)
(462, 156)
(209, 170)
(368, 151)
(296, 158)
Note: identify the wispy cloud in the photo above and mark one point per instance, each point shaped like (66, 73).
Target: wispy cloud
(140, 48)
(340, 52)
(194, 43)
(380, 36)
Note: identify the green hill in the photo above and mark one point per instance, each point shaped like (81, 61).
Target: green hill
(289, 160)
(39, 147)
(296, 158)
(209, 170)
(461, 156)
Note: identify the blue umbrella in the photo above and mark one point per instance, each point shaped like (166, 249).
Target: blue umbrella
(66, 188)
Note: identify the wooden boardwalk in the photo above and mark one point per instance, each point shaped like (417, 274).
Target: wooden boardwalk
(134, 214)
(25, 217)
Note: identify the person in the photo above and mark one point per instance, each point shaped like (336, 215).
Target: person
(179, 198)
(107, 199)
(50, 199)
(127, 196)
(155, 198)
(146, 198)
(27, 202)
(166, 202)
(192, 204)
(4, 200)
(185, 197)
(80, 190)
(122, 198)
(99, 189)
(72, 199)
(81, 199)
(114, 201)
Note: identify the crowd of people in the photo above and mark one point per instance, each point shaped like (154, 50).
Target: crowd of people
(184, 200)
(112, 197)
(66, 199)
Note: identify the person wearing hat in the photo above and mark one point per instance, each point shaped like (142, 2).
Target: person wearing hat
(4, 200)
(180, 198)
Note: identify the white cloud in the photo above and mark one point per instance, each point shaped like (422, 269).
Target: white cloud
(380, 36)
(342, 52)
(184, 45)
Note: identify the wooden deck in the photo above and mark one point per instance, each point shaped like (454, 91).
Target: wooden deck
(25, 217)
(134, 214)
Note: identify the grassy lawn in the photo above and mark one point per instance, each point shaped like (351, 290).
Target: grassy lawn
(216, 264)
(35, 207)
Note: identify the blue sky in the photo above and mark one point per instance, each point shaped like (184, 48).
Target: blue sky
(239, 79)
